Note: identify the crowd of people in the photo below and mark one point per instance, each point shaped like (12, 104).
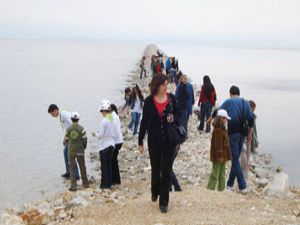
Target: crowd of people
(159, 115)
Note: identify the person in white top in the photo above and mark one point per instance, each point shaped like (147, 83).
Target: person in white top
(65, 121)
(137, 101)
(118, 145)
(106, 136)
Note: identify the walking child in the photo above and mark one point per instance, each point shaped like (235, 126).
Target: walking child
(219, 151)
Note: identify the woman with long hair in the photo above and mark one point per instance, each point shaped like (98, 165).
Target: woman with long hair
(206, 102)
(136, 102)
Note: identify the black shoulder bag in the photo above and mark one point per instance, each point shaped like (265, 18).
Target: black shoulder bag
(245, 127)
(176, 132)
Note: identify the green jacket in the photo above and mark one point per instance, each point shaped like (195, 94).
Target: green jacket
(76, 139)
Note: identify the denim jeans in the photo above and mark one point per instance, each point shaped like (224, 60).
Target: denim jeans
(106, 167)
(236, 141)
(135, 122)
(174, 180)
(183, 119)
(205, 113)
(66, 157)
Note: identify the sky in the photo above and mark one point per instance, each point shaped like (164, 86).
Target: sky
(265, 22)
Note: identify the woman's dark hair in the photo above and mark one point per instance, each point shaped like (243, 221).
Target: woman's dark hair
(136, 91)
(114, 108)
(74, 120)
(156, 81)
(208, 87)
(234, 90)
(127, 90)
(52, 108)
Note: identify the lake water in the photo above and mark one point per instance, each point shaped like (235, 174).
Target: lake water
(78, 75)
(269, 77)
(33, 74)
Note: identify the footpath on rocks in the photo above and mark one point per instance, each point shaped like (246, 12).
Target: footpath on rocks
(270, 199)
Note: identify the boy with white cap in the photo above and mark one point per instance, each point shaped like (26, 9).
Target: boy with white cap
(106, 135)
(77, 141)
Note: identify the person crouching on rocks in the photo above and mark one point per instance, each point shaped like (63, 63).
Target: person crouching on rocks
(76, 140)
(106, 135)
(219, 151)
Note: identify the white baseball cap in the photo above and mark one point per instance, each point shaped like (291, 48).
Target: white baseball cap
(75, 115)
(105, 105)
(223, 113)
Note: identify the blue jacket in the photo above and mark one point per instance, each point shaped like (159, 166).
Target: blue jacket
(234, 108)
(191, 97)
(168, 63)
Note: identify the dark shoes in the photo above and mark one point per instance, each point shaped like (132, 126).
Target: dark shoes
(163, 208)
(85, 186)
(178, 189)
(73, 189)
(154, 198)
(65, 175)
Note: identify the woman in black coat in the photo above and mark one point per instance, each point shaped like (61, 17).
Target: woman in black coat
(160, 108)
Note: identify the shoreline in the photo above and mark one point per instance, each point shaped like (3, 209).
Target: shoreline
(192, 168)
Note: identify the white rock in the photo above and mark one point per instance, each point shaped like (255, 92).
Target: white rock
(8, 219)
(78, 201)
(262, 182)
(278, 185)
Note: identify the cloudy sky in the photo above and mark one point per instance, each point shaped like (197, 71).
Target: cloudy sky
(235, 21)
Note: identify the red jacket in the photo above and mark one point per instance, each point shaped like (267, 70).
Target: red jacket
(203, 98)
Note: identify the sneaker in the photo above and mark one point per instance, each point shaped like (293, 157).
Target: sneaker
(228, 188)
(163, 208)
(244, 191)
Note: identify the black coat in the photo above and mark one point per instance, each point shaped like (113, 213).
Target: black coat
(153, 124)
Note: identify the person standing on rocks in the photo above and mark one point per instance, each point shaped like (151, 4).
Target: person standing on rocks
(206, 103)
(106, 136)
(219, 151)
(137, 101)
(240, 113)
(116, 180)
(182, 96)
(160, 108)
(249, 148)
(65, 121)
(127, 97)
(76, 140)
(143, 69)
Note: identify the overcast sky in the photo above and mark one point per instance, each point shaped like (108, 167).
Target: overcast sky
(265, 21)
